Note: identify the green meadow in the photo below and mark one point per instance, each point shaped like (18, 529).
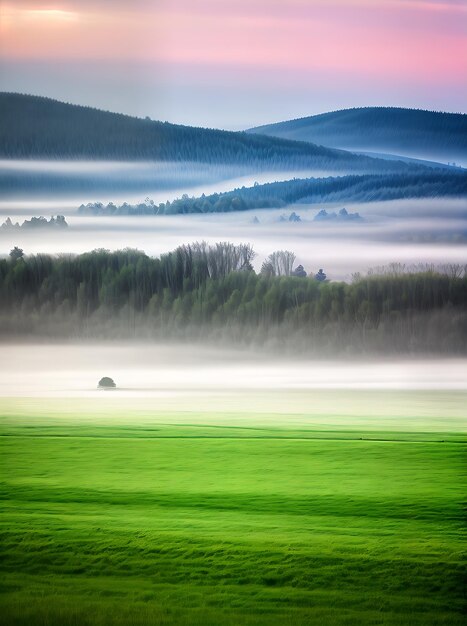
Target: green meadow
(220, 519)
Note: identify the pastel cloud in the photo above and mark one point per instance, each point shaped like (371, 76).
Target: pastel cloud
(250, 42)
(389, 36)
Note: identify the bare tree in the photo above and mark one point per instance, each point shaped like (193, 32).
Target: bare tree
(279, 263)
(454, 270)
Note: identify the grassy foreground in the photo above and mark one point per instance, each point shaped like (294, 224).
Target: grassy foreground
(186, 524)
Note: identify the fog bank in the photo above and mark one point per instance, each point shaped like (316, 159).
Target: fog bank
(170, 370)
(405, 231)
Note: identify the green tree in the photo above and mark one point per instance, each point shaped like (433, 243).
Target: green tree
(16, 254)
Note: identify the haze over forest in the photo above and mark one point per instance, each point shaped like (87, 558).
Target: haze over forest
(91, 166)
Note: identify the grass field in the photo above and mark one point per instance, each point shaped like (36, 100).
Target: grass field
(179, 520)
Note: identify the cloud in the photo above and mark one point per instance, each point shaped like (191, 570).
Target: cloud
(229, 45)
(229, 6)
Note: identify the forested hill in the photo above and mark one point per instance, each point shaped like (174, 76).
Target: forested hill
(384, 129)
(366, 188)
(34, 127)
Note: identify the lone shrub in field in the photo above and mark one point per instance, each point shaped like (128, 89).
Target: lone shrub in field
(106, 383)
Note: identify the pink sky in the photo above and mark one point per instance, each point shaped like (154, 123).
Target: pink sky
(209, 53)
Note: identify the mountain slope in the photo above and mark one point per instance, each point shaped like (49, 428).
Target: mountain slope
(34, 127)
(409, 132)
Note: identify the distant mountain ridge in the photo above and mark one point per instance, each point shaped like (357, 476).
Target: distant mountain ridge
(33, 127)
(408, 132)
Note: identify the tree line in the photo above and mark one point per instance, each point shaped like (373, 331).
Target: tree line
(36, 222)
(213, 292)
(365, 188)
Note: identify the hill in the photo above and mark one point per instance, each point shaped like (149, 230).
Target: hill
(33, 127)
(408, 132)
(364, 188)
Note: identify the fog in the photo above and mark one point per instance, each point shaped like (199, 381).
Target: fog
(171, 370)
(404, 231)
(54, 183)
(435, 157)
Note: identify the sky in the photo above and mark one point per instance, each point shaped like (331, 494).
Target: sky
(236, 63)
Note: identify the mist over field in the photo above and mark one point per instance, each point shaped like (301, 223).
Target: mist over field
(175, 371)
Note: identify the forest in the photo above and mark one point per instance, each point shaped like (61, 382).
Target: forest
(36, 127)
(213, 292)
(363, 188)
(33, 127)
(383, 128)
(36, 222)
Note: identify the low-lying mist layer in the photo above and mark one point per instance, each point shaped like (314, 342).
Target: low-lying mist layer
(406, 231)
(212, 292)
(171, 379)
(50, 179)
